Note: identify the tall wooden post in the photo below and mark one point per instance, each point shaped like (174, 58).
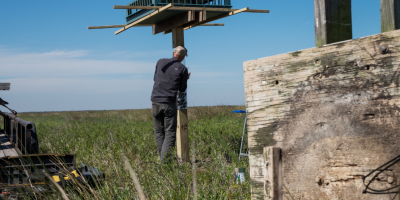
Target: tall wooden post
(390, 15)
(272, 173)
(332, 21)
(182, 133)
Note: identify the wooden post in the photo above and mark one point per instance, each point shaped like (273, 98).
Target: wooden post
(332, 21)
(182, 133)
(390, 15)
(272, 173)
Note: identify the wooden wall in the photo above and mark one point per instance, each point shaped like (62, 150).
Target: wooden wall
(335, 113)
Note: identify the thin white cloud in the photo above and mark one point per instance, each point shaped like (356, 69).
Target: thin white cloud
(66, 64)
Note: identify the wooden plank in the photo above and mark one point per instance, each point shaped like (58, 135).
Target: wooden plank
(215, 24)
(5, 86)
(174, 22)
(218, 17)
(332, 21)
(272, 173)
(7, 148)
(182, 130)
(328, 109)
(158, 11)
(199, 16)
(143, 25)
(190, 8)
(117, 26)
(390, 15)
(182, 136)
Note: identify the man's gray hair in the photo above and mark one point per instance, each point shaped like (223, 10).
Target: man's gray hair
(180, 50)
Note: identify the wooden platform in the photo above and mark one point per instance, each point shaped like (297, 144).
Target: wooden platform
(6, 149)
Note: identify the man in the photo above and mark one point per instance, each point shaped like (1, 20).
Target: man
(170, 77)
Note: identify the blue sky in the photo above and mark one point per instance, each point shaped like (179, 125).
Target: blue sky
(55, 64)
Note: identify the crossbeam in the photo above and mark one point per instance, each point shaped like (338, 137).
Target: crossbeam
(144, 18)
(189, 8)
(145, 25)
(218, 17)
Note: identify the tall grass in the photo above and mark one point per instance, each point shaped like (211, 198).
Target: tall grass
(100, 138)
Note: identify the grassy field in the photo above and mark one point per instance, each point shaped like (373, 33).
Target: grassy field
(100, 138)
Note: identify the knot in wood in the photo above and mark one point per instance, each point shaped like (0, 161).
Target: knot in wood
(384, 49)
(319, 180)
(390, 180)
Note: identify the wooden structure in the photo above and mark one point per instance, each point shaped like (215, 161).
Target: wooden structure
(320, 119)
(176, 16)
(4, 86)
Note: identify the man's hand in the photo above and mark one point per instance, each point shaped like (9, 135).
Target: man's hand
(189, 75)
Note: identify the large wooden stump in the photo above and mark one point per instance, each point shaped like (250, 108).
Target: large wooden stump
(335, 113)
(182, 132)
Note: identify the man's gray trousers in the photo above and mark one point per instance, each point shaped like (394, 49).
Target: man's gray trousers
(164, 122)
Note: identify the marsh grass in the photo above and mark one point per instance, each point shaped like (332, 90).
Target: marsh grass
(100, 138)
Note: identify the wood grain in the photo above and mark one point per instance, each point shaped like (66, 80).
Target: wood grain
(332, 21)
(333, 110)
(174, 22)
(390, 15)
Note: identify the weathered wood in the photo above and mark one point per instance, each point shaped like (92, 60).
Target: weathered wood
(335, 113)
(174, 22)
(272, 173)
(7, 150)
(182, 136)
(143, 25)
(332, 21)
(182, 130)
(390, 15)
(217, 17)
(190, 8)
(5, 86)
(199, 17)
(117, 26)
(158, 11)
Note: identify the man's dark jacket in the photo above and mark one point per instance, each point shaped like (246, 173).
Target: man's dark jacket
(170, 76)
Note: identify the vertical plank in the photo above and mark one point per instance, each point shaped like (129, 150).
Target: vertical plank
(182, 133)
(390, 15)
(332, 21)
(272, 173)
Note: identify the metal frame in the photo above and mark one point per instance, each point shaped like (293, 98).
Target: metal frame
(21, 134)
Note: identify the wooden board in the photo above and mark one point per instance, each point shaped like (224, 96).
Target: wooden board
(186, 8)
(182, 136)
(6, 148)
(273, 189)
(335, 113)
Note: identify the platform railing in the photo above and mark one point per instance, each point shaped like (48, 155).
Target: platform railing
(21, 134)
(197, 3)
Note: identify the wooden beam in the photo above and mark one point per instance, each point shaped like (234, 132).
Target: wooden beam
(390, 15)
(182, 132)
(5, 86)
(332, 21)
(216, 24)
(117, 26)
(144, 18)
(174, 22)
(199, 16)
(272, 173)
(190, 8)
(218, 17)
(144, 25)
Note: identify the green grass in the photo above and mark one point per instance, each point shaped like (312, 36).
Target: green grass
(100, 138)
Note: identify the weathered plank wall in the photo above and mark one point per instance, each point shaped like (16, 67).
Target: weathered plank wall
(334, 111)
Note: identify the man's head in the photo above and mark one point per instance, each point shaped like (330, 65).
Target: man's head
(180, 52)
